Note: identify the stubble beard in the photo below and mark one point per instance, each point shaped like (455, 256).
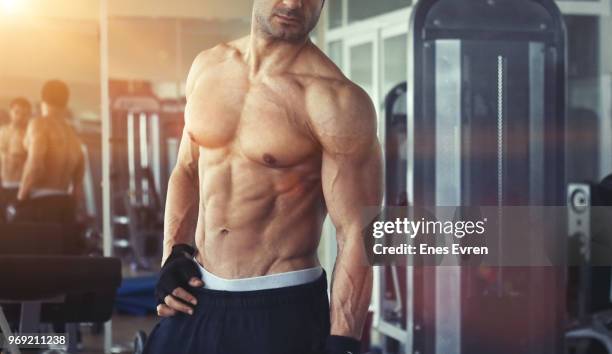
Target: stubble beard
(266, 27)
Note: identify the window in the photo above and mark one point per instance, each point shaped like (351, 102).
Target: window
(335, 13)
(363, 9)
(334, 49)
(396, 61)
(362, 58)
(584, 7)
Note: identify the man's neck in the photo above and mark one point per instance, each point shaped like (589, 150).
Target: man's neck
(55, 115)
(265, 54)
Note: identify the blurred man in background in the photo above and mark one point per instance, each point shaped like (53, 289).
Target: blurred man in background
(12, 152)
(4, 117)
(54, 169)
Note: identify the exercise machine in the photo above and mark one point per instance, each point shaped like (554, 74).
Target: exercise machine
(44, 280)
(485, 126)
(69, 289)
(146, 133)
(590, 267)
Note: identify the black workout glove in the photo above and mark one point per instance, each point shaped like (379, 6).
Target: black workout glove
(176, 272)
(342, 345)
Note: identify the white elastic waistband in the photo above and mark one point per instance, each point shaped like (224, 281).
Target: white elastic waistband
(43, 192)
(10, 185)
(273, 281)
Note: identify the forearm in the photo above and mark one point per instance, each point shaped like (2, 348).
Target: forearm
(181, 213)
(351, 289)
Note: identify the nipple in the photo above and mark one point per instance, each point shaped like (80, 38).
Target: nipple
(269, 159)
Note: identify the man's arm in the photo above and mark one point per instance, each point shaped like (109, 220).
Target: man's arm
(36, 144)
(182, 202)
(77, 179)
(2, 148)
(179, 226)
(180, 221)
(351, 179)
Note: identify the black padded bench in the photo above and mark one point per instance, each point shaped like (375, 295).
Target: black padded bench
(57, 289)
(40, 239)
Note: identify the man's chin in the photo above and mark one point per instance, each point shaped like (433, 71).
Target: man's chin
(290, 36)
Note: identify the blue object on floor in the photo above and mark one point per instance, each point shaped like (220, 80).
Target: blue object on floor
(136, 296)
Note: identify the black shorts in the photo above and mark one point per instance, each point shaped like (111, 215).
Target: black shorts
(51, 209)
(292, 320)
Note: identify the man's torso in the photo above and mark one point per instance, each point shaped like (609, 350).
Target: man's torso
(13, 154)
(63, 151)
(261, 200)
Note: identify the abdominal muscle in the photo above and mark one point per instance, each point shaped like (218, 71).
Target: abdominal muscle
(255, 220)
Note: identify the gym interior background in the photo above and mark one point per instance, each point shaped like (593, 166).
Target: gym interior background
(143, 50)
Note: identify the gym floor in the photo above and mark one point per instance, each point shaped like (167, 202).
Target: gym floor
(124, 329)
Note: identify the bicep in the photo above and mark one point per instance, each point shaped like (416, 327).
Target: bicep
(351, 184)
(352, 161)
(188, 155)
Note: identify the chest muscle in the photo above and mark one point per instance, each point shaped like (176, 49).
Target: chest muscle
(257, 120)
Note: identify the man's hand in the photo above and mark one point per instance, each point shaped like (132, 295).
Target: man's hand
(178, 274)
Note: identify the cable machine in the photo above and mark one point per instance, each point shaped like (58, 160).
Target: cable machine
(485, 126)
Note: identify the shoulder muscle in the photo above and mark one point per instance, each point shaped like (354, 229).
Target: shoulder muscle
(342, 116)
(205, 60)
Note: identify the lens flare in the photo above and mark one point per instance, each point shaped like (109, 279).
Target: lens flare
(9, 6)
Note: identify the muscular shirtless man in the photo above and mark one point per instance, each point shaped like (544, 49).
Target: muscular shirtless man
(275, 138)
(12, 152)
(55, 163)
